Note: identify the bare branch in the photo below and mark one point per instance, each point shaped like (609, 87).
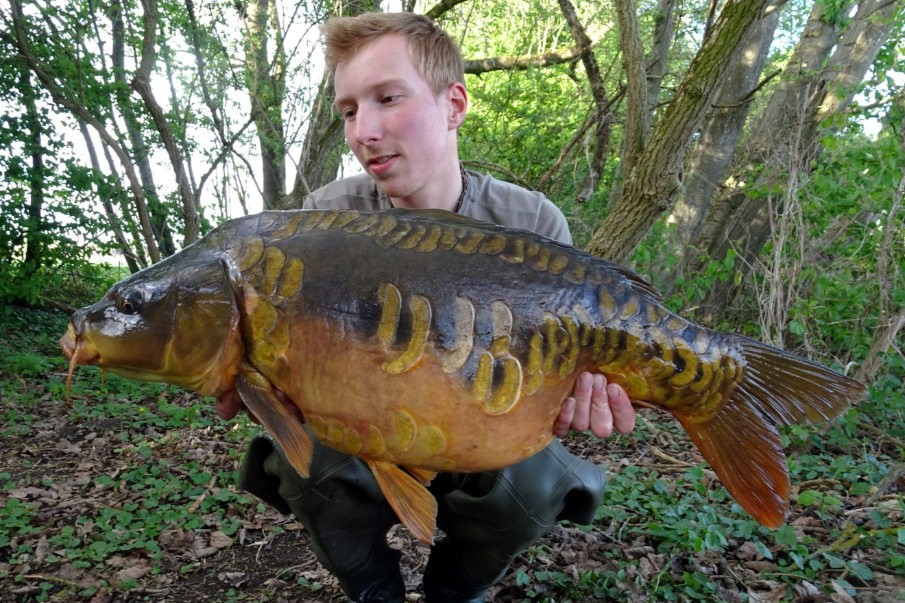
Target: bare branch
(576, 137)
(134, 260)
(545, 59)
(602, 117)
(141, 83)
(445, 5)
(510, 175)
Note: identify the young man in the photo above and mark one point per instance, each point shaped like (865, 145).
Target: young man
(399, 87)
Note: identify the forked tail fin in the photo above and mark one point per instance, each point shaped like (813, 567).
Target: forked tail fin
(741, 442)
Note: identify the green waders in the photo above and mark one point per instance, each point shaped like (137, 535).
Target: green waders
(487, 518)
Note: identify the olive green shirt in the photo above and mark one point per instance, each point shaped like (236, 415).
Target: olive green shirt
(484, 198)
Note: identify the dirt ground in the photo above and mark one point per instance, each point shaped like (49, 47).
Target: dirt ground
(56, 463)
(53, 464)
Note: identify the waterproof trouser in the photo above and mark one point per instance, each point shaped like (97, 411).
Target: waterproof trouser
(488, 518)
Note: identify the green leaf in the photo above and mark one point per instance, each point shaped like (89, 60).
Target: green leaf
(786, 536)
(808, 497)
(861, 570)
(763, 550)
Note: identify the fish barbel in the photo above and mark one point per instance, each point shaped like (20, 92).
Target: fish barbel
(422, 341)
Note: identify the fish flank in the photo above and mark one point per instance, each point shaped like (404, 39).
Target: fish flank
(498, 340)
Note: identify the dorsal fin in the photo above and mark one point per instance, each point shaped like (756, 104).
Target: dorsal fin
(625, 277)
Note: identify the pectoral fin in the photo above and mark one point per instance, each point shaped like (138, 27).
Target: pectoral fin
(283, 422)
(415, 506)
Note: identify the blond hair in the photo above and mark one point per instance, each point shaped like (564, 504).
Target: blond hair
(432, 51)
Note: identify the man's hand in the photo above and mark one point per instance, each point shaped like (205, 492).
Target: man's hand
(596, 405)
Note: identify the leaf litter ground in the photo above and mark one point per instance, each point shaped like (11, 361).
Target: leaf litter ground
(127, 493)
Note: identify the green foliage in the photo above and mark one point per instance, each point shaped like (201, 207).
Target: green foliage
(48, 254)
(521, 120)
(157, 500)
(861, 270)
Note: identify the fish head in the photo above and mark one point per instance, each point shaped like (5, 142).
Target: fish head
(175, 322)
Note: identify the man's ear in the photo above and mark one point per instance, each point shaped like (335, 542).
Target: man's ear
(457, 96)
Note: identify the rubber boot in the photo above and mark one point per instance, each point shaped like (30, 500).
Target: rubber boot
(489, 518)
(343, 510)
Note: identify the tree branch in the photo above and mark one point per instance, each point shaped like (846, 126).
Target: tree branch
(141, 83)
(80, 112)
(510, 175)
(554, 57)
(445, 5)
(602, 117)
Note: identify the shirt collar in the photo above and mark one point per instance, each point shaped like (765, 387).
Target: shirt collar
(384, 201)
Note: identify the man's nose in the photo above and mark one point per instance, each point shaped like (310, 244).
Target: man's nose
(365, 128)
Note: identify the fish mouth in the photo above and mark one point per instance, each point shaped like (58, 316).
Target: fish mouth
(78, 351)
(228, 404)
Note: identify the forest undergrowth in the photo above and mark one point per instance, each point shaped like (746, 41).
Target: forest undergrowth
(127, 492)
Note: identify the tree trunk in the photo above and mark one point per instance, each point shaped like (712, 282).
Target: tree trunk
(637, 116)
(786, 137)
(322, 152)
(655, 64)
(325, 140)
(265, 85)
(34, 239)
(712, 155)
(140, 151)
(652, 185)
(141, 83)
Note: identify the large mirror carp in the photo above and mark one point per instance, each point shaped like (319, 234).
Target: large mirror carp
(423, 341)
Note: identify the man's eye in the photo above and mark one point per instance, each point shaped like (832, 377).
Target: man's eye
(389, 99)
(348, 114)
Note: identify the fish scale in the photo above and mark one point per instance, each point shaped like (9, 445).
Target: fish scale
(422, 341)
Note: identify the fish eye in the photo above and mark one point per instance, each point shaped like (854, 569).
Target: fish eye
(129, 303)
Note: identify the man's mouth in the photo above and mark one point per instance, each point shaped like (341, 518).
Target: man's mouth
(381, 163)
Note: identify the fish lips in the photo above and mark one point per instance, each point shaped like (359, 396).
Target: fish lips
(78, 351)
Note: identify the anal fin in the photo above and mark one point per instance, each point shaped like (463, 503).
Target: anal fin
(415, 506)
(283, 423)
(425, 476)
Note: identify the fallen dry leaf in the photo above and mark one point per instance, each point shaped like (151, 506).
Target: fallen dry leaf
(232, 578)
(220, 540)
(839, 595)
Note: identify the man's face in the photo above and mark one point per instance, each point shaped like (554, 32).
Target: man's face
(399, 130)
